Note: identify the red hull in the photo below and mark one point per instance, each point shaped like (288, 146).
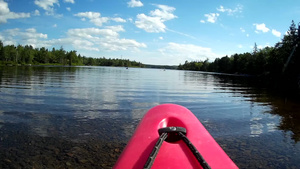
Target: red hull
(172, 155)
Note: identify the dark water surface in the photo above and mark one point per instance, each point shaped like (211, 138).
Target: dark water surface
(82, 117)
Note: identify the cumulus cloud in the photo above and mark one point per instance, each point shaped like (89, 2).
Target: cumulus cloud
(179, 53)
(27, 37)
(211, 17)
(31, 33)
(47, 5)
(117, 28)
(92, 33)
(237, 9)
(92, 39)
(121, 44)
(36, 13)
(69, 1)
(164, 12)
(118, 19)
(6, 14)
(134, 3)
(95, 18)
(155, 22)
(102, 39)
(149, 23)
(276, 33)
(261, 28)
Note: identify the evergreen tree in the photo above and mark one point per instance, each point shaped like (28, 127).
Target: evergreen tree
(255, 50)
(1, 51)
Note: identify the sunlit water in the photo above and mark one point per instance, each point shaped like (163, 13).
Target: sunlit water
(82, 117)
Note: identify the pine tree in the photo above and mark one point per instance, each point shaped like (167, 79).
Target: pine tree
(255, 50)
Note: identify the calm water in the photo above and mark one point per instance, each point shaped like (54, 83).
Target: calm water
(82, 117)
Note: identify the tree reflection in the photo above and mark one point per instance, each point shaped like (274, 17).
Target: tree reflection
(283, 103)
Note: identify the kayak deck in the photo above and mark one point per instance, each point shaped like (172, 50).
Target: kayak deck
(172, 154)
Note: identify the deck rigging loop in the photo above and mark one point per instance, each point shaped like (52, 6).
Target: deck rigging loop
(173, 134)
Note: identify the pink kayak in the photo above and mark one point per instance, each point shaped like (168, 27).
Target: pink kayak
(170, 136)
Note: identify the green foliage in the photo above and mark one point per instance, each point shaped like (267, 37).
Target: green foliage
(269, 60)
(279, 63)
(12, 55)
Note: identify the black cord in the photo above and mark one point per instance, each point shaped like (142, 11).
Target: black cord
(179, 133)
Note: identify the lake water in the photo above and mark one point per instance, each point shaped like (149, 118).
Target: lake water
(82, 117)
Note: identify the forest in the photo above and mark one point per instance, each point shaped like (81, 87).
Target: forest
(27, 55)
(279, 64)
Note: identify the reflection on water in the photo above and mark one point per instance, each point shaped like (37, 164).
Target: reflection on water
(83, 116)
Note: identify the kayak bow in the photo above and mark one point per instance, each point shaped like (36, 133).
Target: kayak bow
(169, 125)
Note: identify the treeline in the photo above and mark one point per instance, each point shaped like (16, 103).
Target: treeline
(281, 60)
(255, 63)
(27, 55)
(161, 66)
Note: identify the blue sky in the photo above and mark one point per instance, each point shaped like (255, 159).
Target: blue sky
(152, 32)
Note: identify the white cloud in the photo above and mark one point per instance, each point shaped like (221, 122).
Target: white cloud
(28, 37)
(149, 23)
(102, 39)
(118, 19)
(237, 9)
(69, 1)
(240, 46)
(91, 39)
(31, 33)
(179, 53)
(121, 44)
(161, 38)
(54, 26)
(6, 14)
(94, 17)
(68, 8)
(164, 13)
(244, 31)
(85, 45)
(92, 33)
(276, 33)
(118, 28)
(212, 17)
(221, 9)
(134, 3)
(261, 28)
(36, 12)
(3, 7)
(155, 22)
(47, 5)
